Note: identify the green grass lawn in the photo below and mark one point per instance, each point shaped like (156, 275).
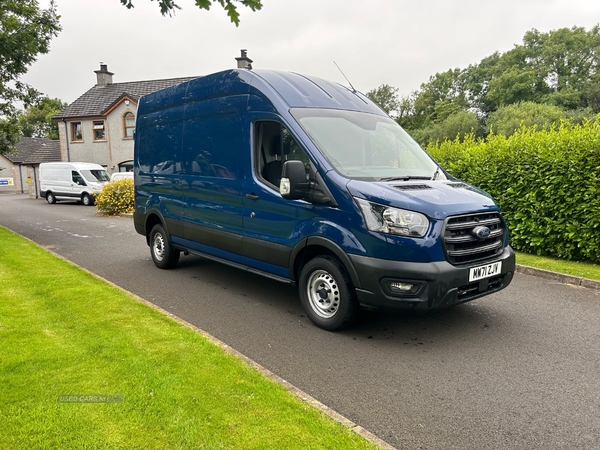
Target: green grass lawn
(577, 269)
(63, 331)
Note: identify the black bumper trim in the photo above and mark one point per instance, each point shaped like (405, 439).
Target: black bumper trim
(444, 284)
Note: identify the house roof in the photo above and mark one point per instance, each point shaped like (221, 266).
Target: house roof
(100, 98)
(48, 151)
(35, 151)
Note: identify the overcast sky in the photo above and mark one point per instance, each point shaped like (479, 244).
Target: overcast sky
(396, 42)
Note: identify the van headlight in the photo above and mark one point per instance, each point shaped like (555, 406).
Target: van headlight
(386, 219)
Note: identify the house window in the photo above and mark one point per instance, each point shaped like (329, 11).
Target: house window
(76, 134)
(99, 133)
(129, 125)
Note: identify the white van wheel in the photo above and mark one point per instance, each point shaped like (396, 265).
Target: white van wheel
(327, 293)
(87, 200)
(50, 198)
(163, 253)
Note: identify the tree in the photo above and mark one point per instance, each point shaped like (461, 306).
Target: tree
(386, 97)
(168, 7)
(560, 69)
(25, 32)
(507, 119)
(443, 95)
(37, 121)
(455, 126)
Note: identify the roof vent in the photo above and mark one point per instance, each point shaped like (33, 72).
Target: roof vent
(103, 76)
(243, 62)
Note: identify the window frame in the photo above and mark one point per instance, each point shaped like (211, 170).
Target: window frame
(260, 157)
(73, 130)
(94, 130)
(128, 127)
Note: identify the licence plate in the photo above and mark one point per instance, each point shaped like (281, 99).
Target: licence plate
(489, 270)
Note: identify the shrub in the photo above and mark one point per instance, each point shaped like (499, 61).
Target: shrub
(546, 182)
(116, 197)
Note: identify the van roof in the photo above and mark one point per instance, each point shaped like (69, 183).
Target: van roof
(78, 165)
(293, 89)
(301, 91)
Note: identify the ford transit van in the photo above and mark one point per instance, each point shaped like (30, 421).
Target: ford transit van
(308, 182)
(71, 181)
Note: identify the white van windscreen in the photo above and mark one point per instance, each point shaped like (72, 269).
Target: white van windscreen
(365, 146)
(98, 176)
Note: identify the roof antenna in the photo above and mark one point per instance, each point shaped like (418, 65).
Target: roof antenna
(353, 90)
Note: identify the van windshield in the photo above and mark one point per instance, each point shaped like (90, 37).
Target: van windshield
(364, 146)
(95, 175)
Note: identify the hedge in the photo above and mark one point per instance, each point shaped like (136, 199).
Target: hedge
(546, 182)
(116, 198)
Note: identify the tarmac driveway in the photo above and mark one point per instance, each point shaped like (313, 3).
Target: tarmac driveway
(519, 369)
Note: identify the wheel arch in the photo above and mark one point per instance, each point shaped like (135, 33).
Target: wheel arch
(154, 218)
(314, 246)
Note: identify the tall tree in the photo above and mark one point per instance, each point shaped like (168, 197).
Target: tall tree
(386, 97)
(37, 121)
(168, 7)
(442, 96)
(25, 32)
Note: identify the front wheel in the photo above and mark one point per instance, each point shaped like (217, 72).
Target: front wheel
(163, 253)
(87, 200)
(327, 294)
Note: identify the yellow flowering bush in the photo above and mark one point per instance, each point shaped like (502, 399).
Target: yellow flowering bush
(116, 198)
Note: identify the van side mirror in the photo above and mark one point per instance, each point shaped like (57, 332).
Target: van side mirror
(293, 183)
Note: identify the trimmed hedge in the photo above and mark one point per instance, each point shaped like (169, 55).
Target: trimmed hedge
(116, 198)
(547, 184)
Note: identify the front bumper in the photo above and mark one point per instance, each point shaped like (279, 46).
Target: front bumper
(441, 283)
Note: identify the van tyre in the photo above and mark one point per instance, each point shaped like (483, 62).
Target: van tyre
(87, 200)
(50, 198)
(163, 253)
(327, 294)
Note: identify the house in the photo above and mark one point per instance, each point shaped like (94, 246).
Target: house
(19, 170)
(98, 127)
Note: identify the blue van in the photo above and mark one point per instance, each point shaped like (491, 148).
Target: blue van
(308, 182)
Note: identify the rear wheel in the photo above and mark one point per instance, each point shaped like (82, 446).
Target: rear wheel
(327, 293)
(163, 253)
(87, 200)
(50, 198)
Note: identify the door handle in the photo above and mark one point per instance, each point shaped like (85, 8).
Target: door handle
(252, 196)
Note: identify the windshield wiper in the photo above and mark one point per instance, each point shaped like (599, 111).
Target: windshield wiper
(405, 178)
(435, 174)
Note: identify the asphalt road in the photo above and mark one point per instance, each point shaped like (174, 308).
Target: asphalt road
(519, 369)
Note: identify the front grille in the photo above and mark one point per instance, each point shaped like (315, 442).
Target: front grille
(463, 246)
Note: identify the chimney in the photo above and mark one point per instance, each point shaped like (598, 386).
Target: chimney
(243, 62)
(103, 76)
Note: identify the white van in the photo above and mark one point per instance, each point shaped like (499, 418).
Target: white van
(71, 181)
(121, 175)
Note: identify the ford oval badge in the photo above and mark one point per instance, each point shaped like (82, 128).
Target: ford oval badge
(481, 232)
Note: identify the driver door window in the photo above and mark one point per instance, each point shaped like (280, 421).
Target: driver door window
(77, 179)
(275, 145)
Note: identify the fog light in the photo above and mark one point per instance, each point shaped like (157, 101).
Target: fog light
(404, 289)
(398, 286)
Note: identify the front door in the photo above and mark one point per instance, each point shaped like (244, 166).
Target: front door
(272, 224)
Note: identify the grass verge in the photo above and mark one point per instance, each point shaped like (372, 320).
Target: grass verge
(576, 269)
(65, 332)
